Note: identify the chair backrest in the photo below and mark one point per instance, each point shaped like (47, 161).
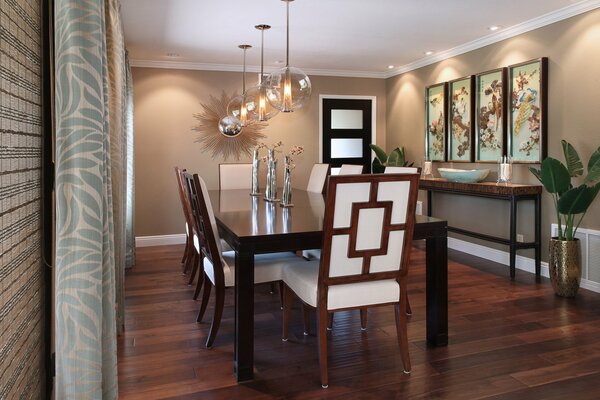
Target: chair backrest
(318, 177)
(368, 228)
(351, 169)
(401, 170)
(211, 241)
(183, 196)
(235, 176)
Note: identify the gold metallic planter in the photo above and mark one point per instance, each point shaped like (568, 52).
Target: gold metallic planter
(565, 266)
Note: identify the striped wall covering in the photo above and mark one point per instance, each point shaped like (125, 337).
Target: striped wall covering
(21, 272)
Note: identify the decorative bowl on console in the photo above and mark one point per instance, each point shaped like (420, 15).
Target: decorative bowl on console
(464, 175)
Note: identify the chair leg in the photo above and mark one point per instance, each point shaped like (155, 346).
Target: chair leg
(216, 322)
(188, 259)
(201, 277)
(205, 297)
(195, 258)
(281, 294)
(306, 317)
(408, 309)
(186, 250)
(322, 321)
(288, 298)
(401, 331)
(330, 321)
(363, 319)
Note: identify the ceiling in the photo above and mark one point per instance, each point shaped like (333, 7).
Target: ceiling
(328, 37)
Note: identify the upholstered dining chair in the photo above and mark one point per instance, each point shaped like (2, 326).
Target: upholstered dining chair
(318, 177)
(187, 213)
(350, 169)
(196, 256)
(367, 235)
(235, 176)
(219, 266)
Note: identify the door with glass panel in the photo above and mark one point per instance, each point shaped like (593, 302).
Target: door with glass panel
(347, 131)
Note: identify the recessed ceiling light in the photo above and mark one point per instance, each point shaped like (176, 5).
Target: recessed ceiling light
(172, 55)
(494, 28)
(428, 53)
(390, 66)
(279, 62)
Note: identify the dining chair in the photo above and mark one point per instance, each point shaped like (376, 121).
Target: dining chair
(195, 254)
(219, 266)
(367, 235)
(235, 176)
(318, 177)
(351, 169)
(185, 205)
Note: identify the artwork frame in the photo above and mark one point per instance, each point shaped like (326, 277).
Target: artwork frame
(528, 111)
(461, 119)
(490, 106)
(436, 122)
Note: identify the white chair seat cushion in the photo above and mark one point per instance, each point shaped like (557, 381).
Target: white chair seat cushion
(267, 267)
(303, 280)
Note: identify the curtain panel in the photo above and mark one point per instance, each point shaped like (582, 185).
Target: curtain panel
(91, 195)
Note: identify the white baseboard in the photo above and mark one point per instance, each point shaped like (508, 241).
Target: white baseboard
(161, 240)
(503, 257)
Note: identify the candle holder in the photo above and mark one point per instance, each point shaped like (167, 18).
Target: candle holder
(286, 197)
(427, 169)
(504, 170)
(271, 188)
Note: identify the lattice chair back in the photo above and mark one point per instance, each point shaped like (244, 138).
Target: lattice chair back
(368, 228)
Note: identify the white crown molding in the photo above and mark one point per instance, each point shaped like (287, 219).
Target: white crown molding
(239, 68)
(515, 30)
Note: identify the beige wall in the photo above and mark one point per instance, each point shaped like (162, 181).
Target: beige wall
(165, 101)
(572, 47)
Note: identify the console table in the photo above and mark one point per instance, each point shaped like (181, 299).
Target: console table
(511, 192)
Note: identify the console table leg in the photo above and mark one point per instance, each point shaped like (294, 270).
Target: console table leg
(538, 238)
(429, 208)
(513, 236)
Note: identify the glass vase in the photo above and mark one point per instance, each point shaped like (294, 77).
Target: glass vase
(255, 165)
(271, 188)
(286, 197)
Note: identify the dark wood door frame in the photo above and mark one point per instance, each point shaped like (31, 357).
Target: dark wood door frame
(373, 100)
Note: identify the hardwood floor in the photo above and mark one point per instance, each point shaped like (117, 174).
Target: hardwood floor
(508, 340)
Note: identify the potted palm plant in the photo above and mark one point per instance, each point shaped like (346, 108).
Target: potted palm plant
(571, 203)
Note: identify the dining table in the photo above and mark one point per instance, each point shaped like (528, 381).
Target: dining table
(251, 225)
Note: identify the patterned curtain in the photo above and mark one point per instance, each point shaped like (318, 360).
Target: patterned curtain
(91, 195)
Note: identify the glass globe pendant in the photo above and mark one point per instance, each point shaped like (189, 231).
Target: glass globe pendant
(244, 106)
(259, 93)
(289, 88)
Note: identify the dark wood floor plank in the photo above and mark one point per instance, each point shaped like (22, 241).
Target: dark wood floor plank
(508, 340)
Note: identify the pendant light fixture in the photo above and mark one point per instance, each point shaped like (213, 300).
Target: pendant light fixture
(259, 93)
(243, 106)
(288, 88)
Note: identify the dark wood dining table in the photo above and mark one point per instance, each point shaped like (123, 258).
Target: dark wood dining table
(251, 225)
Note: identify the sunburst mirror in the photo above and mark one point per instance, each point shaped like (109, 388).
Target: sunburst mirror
(210, 137)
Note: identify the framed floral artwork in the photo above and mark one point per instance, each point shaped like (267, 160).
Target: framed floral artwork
(490, 132)
(461, 108)
(527, 125)
(435, 122)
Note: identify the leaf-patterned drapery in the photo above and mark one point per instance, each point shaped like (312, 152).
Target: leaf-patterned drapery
(91, 195)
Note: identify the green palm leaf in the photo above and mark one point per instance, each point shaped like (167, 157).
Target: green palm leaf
(576, 200)
(593, 167)
(379, 153)
(555, 176)
(574, 164)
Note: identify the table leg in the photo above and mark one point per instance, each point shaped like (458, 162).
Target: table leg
(538, 238)
(244, 316)
(429, 206)
(513, 236)
(437, 290)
